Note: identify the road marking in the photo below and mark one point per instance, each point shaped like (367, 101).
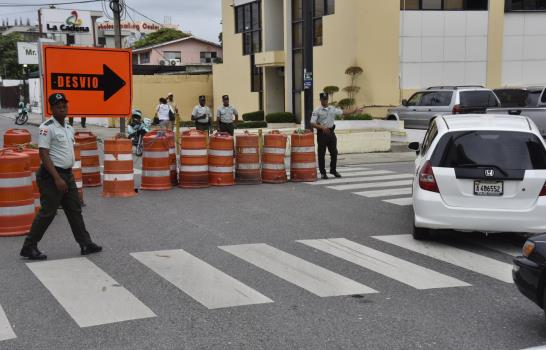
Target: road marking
(458, 257)
(364, 176)
(6, 332)
(363, 173)
(201, 281)
(88, 294)
(311, 277)
(349, 180)
(401, 270)
(385, 193)
(500, 246)
(400, 201)
(371, 185)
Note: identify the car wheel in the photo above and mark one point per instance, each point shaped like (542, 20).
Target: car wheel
(391, 117)
(420, 233)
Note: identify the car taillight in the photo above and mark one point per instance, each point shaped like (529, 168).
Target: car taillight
(457, 109)
(543, 191)
(426, 178)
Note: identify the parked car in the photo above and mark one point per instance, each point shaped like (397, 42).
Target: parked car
(421, 107)
(480, 173)
(529, 272)
(528, 101)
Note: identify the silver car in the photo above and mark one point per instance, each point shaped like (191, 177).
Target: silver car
(421, 107)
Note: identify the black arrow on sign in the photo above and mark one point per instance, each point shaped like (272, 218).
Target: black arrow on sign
(109, 82)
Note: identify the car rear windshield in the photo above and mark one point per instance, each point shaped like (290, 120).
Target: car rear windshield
(478, 99)
(518, 97)
(508, 150)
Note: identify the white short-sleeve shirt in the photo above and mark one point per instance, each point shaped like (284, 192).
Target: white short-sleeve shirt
(59, 140)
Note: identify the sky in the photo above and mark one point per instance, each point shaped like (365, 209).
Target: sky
(200, 17)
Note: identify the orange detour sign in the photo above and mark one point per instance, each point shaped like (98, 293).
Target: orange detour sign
(96, 82)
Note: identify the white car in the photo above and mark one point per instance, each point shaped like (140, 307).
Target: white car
(482, 173)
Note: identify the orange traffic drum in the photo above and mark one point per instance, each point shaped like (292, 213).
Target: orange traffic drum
(221, 159)
(77, 170)
(273, 168)
(15, 137)
(90, 158)
(156, 174)
(303, 162)
(118, 179)
(194, 163)
(248, 170)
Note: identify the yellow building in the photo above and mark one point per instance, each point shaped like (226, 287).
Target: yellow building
(280, 54)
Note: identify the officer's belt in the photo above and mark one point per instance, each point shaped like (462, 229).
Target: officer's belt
(64, 171)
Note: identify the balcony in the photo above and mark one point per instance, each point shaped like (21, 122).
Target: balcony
(270, 59)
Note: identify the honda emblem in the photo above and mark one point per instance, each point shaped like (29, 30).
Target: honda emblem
(489, 172)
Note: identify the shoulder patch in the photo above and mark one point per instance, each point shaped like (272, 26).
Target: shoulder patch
(49, 122)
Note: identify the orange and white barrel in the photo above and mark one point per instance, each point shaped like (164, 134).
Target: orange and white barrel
(273, 152)
(172, 157)
(303, 161)
(194, 163)
(34, 156)
(156, 170)
(17, 208)
(248, 170)
(77, 170)
(90, 158)
(15, 137)
(221, 159)
(118, 178)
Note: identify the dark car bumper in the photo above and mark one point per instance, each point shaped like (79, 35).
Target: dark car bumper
(526, 275)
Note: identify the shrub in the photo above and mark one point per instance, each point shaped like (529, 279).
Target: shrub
(252, 125)
(281, 117)
(358, 117)
(346, 103)
(257, 116)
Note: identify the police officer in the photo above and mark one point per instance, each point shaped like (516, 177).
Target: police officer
(202, 115)
(225, 115)
(323, 119)
(56, 183)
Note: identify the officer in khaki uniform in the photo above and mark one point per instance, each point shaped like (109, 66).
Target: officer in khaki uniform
(202, 115)
(226, 115)
(56, 183)
(323, 119)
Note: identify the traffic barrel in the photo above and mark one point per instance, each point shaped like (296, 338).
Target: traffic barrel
(194, 163)
(15, 137)
(303, 161)
(156, 174)
(35, 162)
(77, 170)
(90, 158)
(248, 170)
(221, 159)
(172, 157)
(273, 169)
(16, 195)
(118, 179)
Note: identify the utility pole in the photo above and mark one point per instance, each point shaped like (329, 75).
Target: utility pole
(115, 6)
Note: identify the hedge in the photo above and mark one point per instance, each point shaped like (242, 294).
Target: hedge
(257, 116)
(252, 125)
(358, 117)
(281, 117)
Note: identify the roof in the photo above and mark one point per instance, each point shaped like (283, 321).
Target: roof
(499, 122)
(146, 48)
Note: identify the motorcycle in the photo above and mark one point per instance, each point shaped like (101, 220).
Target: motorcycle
(22, 113)
(136, 129)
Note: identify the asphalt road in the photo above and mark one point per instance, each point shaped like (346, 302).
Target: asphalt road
(228, 271)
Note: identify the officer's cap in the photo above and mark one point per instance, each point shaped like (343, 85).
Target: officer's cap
(202, 98)
(56, 98)
(225, 97)
(323, 96)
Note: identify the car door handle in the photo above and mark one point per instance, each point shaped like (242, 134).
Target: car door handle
(514, 111)
(414, 110)
(430, 110)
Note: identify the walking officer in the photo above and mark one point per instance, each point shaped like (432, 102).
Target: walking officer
(56, 183)
(226, 115)
(323, 119)
(202, 115)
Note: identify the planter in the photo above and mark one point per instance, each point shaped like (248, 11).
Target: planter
(282, 125)
(369, 124)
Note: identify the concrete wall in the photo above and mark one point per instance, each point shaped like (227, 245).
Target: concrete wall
(147, 89)
(274, 90)
(233, 76)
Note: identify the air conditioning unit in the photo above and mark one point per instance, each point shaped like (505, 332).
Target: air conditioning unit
(164, 63)
(175, 62)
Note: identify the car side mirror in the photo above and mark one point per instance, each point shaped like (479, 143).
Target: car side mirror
(414, 146)
(405, 102)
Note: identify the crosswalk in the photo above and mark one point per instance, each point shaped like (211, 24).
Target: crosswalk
(389, 186)
(72, 281)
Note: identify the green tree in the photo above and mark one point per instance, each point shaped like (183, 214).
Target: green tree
(331, 90)
(161, 36)
(9, 65)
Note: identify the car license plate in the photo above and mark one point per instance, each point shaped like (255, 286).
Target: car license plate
(488, 188)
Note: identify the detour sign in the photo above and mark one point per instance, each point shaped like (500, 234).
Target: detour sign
(96, 82)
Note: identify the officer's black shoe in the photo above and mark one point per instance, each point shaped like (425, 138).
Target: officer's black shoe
(323, 176)
(90, 249)
(32, 253)
(335, 173)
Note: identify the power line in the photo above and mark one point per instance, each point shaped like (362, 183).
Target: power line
(6, 4)
(143, 15)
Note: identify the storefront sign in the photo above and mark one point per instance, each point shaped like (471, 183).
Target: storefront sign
(66, 21)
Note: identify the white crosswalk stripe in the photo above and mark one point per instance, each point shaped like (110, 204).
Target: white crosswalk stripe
(371, 185)
(311, 277)
(406, 201)
(348, 180)
(401, 270)
(89, 295)
(455, 256)
(201, 281)
(6, 332)
(385, 193)
(357, 178)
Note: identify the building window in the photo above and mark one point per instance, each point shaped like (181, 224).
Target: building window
(70, 39)
(525, 5)
(256, 76)
(135, 59)
(101, 41)
(248, 22)
(144, 57)
(172, 55)
(320, 8)
(208, 57)
(446, 5)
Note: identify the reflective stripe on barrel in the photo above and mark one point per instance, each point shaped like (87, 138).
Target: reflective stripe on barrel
(221, 160)
(273, 168)
(89, 154)
(118, 178)
(156, 170)
(303, 163)
(194, 169)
